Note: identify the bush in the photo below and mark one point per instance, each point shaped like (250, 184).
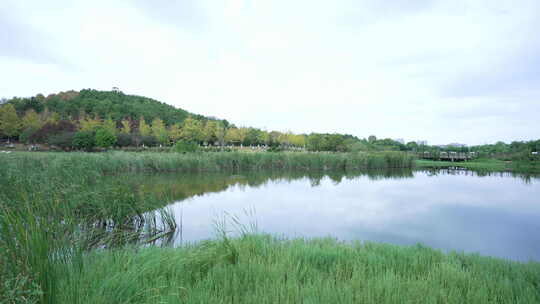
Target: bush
(84, 140)
(26, 135)
(49, 129)
(185, 146)
(105, 138)
(63, 140)
(149, 141)
(124, 140)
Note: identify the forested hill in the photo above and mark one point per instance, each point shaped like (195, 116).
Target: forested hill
(116, 105)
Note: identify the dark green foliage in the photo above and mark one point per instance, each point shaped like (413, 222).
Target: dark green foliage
(26, 135)
(62, 140)
(124, 140)
(50, 129)
(103, 104)
(149, 141)
(105, 138)
(182, 146)
(84, 140)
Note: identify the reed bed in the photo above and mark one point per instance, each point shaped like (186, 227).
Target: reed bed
(95, 164)
(263, 269)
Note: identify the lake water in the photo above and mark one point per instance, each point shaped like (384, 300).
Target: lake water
(495, 215)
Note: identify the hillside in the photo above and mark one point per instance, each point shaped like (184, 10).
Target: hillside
(114, 104)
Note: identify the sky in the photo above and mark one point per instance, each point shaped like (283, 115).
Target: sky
(442, 71)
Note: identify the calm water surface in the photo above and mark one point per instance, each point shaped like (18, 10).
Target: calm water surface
(496, 215)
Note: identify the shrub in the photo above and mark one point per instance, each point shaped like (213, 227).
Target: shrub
(182, 146)
(124, 140)
(149, 141)
(105, 138)
(26, 135)
(50, 129)
(63, 140)
(84, 140)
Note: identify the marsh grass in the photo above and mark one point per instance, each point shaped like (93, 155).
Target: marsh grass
(262, 269)
(70, 235)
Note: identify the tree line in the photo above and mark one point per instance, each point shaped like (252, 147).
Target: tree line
(90, 118)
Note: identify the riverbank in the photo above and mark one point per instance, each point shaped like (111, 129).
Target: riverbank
(263, 269)
(483, 165)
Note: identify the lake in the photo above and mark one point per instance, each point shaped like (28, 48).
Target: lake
(494, 214)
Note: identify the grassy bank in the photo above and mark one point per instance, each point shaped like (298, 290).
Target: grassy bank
(261, 269)
(484, 165)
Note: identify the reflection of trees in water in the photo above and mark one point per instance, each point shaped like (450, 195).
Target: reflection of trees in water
(527, 178)
(173, 187)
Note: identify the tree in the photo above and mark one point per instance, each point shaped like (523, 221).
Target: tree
(192, 130)
(105, 138)
(126, 126)
(144, 128)
(209, 133)
(31, 120)
(84, 140)
(90, 124)
(10, 123)
(124, 140)
(232, 136)
(63, 140)
(110, 125)
(221, 131)
(175, 132)
(159, 131)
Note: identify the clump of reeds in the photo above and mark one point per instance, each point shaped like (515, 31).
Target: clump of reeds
(263, 269)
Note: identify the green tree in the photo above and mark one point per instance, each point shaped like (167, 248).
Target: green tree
(88, 124)
(192, 130)
(105, 138)
(126, 126)
(221, 131)
(175, 132)
(232, 136)
(159, 131)
(10, 123)
(110, 125)
(144, 128)
(31, 120)
(209, 133)
(84, 140)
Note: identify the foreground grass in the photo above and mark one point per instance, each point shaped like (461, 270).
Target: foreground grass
(262, 269)
(484, 165)
(55, 207)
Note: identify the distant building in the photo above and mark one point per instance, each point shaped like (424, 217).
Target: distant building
(457, 145)
(400, 140)
(116, 89)
(421, 142)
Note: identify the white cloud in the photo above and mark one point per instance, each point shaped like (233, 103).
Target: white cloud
(431, 70)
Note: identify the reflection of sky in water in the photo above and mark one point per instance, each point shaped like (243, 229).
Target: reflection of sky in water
(492, 215)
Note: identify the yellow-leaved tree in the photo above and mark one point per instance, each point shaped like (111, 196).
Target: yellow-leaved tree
(159, 130)
(144, 128)
(10, 123)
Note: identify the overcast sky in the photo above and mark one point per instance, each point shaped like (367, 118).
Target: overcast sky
(442, 71)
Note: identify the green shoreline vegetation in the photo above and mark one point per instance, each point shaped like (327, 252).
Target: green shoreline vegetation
(71, 233)
(484, 165)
